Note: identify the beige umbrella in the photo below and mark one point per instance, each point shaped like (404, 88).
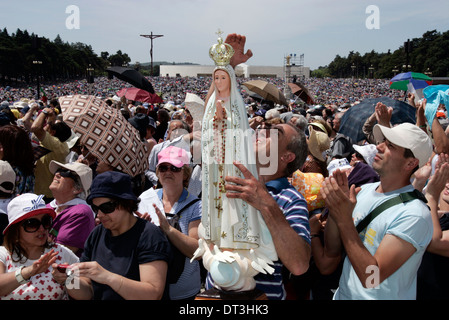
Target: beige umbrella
(299, 90)
(106, 133)
(195, 105)
(267, 91)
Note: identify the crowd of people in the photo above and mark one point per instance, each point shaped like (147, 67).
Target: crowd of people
(324, 91)
(75, 227)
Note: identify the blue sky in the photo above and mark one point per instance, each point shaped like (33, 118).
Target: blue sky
(319, 29)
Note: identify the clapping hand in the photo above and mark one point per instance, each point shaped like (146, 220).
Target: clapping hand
(339, 198)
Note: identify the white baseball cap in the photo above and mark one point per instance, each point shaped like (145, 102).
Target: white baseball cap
(368, 152)
(408, 136)
(25, 206)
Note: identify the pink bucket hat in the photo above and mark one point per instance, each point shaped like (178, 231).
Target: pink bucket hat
(173, 155)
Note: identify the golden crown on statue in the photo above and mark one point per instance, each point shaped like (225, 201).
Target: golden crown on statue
(221, 52)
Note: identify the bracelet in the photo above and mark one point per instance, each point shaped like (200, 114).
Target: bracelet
(315, 235)
(423, 126)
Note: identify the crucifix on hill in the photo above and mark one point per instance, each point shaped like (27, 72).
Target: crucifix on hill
(151, 36)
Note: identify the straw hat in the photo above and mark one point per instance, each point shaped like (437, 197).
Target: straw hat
(318, 143)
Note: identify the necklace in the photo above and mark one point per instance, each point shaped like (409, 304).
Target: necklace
(219, 127)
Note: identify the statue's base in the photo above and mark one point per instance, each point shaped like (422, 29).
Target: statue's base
(215, 294)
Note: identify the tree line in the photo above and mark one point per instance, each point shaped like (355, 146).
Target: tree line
(25, 56)
(427, 54)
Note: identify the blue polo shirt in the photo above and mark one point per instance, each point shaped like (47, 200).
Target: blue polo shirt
(294, 207)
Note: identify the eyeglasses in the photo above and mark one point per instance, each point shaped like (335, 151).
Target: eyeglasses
(33, 224)
(165, 168)
(67, 173)
(106, 207)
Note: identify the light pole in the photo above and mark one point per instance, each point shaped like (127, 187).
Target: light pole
(371, 71)
(395, 70)
(37, 63)
(90, 77)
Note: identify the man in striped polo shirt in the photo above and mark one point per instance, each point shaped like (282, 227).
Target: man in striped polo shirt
(283, 208)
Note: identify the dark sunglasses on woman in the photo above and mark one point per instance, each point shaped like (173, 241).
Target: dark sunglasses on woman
(165, 168)
(106, 208)
(33, 224)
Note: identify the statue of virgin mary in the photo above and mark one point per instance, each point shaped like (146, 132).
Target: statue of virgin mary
(235, 242)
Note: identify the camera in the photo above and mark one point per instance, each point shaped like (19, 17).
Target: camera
(63, 267)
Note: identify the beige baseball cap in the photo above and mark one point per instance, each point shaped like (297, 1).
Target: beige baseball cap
(408, 136)
(7, 177)
(81, 169)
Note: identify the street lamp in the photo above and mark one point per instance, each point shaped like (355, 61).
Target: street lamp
(37, 63)
(353, 70)
(89, 74)
(407, 67)
(371, 71)
(395, 70)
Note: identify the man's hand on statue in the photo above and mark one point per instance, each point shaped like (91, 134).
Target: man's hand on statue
(249, 189)
(238, 43)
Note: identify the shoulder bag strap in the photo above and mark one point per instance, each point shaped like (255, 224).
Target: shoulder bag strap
(401, 198)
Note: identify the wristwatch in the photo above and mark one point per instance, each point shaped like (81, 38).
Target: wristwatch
(20, 279)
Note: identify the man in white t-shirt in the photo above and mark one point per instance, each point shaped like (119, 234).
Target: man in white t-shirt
(382, 261)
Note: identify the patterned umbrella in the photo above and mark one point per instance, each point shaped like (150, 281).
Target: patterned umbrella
(353, 119)
(105, 132)
(418, 80)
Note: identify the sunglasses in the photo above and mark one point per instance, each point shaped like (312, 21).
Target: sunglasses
(165, 168)
(359, 156)
(106, 208)
(67, 173)
(33, 224)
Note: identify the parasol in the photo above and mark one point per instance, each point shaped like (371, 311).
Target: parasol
(131, 76)
(299, 90)
(267, 91)
(352, 121)
(435, 95)
(401, 81)
(106, 133)
(195, 105)
(136, 94)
